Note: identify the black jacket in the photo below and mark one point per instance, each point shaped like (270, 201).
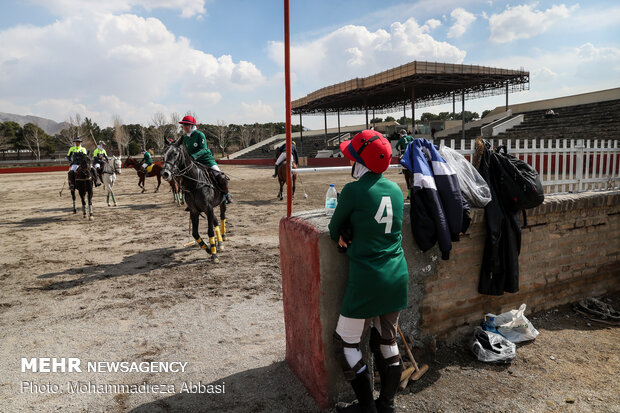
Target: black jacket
(500, 262)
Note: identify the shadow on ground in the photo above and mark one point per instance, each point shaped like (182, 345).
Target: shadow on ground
(272, 388)
(141, 262)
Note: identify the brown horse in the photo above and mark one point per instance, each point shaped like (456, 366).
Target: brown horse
(155, 171)
(282, 178)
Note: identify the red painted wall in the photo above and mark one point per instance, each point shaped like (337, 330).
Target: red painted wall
(299, 241)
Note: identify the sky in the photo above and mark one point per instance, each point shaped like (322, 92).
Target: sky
(224, 60)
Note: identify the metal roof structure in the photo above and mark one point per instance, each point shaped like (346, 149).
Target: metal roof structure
(426, 83)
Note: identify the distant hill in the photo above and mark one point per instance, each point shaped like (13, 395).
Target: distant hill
(49, 126)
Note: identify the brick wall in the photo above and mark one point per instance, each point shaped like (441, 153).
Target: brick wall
(570, 250)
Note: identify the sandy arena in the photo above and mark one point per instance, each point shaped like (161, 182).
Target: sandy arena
(124, 288)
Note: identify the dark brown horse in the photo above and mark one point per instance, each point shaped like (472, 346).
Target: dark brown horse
(282, 179)
(155, 171)
(84, 185)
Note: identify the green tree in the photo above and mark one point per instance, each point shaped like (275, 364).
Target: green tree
(390, 119)
(376, 120)
(484, 113)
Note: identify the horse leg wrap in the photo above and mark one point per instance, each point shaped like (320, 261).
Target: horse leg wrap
(90, 209)
(212, 243)
(201, 243)
(349, 356)
(223, 225)
(218, 235)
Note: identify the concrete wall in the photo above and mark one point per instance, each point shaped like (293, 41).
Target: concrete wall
(570, 250)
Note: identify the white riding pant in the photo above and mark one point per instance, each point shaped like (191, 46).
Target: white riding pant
(351, 331)
(215, 168)
(97, 166)
(281, 158)
(145, 165)
(74, 167)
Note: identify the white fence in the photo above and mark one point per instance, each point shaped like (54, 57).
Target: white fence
(564, 165)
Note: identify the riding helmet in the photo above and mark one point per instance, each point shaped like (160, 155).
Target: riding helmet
(78, 139)
(369, 148)
(189, 120)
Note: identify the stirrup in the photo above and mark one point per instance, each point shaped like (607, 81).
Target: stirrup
(228, 198)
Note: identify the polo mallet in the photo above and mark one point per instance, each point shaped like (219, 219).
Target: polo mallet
(61, 189)
(302, 186)
(418, 371)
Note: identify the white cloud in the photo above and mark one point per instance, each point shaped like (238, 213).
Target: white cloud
(258, 110)
(523, 22)
(431, 24)
(187, 8)
(588, 52)
(80, 63)
(463, 20)
(352, 51)
(543, 74)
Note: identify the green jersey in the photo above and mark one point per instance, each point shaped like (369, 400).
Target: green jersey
(403, 142)
(378, 278)
(148, 159)
(196, 145)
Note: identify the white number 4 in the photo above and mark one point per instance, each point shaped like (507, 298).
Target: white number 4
(386, 205)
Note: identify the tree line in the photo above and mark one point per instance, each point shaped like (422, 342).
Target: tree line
(131, 139)
(427, 116)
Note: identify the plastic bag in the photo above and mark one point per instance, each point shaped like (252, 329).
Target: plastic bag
(474, 188)
(491, 348)
(515, 326)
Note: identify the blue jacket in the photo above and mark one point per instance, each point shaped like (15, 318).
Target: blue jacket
(437, 206)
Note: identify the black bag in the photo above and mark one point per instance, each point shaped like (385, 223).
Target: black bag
(519, 183)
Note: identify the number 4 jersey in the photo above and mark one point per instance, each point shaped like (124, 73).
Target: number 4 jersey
(378, 279)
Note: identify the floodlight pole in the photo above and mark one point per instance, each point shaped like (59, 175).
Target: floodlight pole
(301, 136)
(287, 88)
(463, 114)
(412, 111)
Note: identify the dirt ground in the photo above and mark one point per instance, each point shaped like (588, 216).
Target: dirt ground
(124, 288)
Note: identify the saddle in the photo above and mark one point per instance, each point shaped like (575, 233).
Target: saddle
(217, 178)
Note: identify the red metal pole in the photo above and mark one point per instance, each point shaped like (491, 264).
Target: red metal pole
(287, 88)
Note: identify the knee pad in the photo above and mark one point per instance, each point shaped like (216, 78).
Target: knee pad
(344, 353)
(383, 349)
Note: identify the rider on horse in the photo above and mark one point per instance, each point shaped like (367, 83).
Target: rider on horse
(75, 154)
(282, 156)
(146, 161)
(99, 156)
(196, 145)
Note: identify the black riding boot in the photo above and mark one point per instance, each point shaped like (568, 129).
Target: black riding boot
(362, 386)
(390, 375)
(275, 172)
(390, 379)
(93, 173)
(222, 182)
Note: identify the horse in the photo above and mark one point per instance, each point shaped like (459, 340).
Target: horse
(155, 171)
(282, 178)
(84, 185)
(110, 169)
(201, 195)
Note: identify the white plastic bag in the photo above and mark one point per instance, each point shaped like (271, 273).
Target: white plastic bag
(492, 348)
(515, 326)
(473, 186)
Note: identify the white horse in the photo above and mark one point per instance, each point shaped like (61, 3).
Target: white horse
(110, 169)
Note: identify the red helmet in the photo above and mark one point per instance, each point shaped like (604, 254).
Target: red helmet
(370, 149)
(189, 120)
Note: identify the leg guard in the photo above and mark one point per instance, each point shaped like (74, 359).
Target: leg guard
(363, 386)
(348, 370)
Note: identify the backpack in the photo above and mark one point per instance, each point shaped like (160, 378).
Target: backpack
(519, 184)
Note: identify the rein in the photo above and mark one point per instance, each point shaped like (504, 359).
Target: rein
(176, 172)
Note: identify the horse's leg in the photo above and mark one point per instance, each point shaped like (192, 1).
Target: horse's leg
(90, 203)
(73, 197)
(82, 193)
(211, 233)
(158, 181)
(194, 217)
(223, 220)
(218, 232)
(294, 179)
(280, 196)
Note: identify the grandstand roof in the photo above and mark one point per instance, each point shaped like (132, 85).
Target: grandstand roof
(433, 83)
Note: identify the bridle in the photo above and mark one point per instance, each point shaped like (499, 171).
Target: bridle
(176, 172)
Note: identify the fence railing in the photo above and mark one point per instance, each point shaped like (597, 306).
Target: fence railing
(563, 165)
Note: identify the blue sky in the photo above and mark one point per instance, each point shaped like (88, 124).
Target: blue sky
(223, 60)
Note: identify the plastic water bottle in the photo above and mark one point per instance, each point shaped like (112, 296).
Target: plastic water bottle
(331, 200)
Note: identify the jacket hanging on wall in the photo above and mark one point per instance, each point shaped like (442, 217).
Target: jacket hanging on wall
(500, 262)
(437, 206)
